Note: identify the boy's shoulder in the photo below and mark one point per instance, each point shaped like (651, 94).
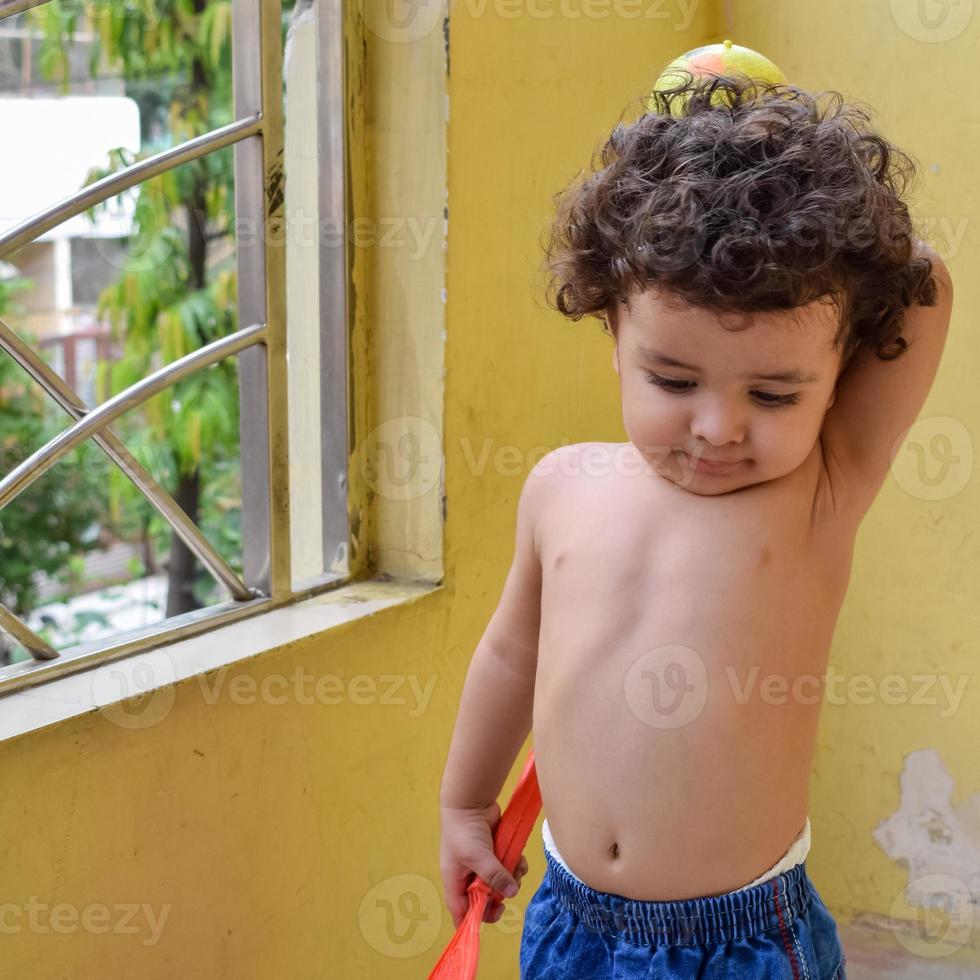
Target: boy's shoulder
(571, 469)
(577, 459)
(549, 474)
(559, 457)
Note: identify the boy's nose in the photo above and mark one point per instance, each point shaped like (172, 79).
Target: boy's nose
(718, 427)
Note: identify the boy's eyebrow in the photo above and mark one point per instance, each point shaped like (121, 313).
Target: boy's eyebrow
(790, 377)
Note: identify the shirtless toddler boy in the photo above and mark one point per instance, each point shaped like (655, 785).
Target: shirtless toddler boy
(777, 327)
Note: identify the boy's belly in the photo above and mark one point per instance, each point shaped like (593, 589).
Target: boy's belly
(654, 812)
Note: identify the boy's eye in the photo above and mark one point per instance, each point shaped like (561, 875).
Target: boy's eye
(765, 397)
(670, 383)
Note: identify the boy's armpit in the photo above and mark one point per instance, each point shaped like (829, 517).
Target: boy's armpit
(878, 401)
(512, 632)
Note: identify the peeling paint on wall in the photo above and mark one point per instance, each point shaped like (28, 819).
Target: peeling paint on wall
(928, 833)
(939, 844)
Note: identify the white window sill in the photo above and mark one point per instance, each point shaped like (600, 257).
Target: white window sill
(113, 682)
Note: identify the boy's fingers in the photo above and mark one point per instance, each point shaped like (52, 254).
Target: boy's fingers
(494, 874)
(493, 912)
(457, 898)
(457, 912)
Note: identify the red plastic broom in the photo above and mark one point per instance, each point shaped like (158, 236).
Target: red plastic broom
(458, 960)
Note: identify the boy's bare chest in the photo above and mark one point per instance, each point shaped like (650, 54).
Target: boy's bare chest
(629, 562)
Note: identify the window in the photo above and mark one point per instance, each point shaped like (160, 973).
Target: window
(251, 145)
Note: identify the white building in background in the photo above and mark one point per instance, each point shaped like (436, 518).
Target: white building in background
(54, 142)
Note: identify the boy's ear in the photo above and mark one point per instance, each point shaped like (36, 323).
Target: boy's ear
(833, 397)
(607, 316)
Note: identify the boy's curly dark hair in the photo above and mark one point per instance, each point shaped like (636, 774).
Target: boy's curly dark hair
(766, 201)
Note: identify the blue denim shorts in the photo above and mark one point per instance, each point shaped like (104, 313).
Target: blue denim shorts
(777, 930)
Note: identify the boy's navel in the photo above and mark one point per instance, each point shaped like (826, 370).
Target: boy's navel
(614, 850)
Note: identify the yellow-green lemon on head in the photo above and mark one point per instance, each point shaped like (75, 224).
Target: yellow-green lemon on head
(714, 59)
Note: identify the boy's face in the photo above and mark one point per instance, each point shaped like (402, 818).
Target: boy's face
(719, 409)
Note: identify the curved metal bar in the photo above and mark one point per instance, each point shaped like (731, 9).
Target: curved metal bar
(108, 186)
(40, 462)
(185, 528)
(10, 7)
(22, 633)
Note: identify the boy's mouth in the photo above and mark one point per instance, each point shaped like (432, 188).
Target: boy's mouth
(704, 465)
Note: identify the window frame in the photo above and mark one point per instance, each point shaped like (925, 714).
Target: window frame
(258, 137)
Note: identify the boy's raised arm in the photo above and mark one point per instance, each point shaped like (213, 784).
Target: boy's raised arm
(877, 401)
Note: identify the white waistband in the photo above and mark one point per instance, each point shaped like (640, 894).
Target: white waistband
(549, 843)
(796, 854)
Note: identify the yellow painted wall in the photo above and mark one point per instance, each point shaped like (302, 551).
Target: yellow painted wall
(301, 839)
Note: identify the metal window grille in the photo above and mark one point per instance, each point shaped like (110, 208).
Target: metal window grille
(258, 139)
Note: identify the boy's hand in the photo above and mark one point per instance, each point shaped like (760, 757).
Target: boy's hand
(466, 849)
